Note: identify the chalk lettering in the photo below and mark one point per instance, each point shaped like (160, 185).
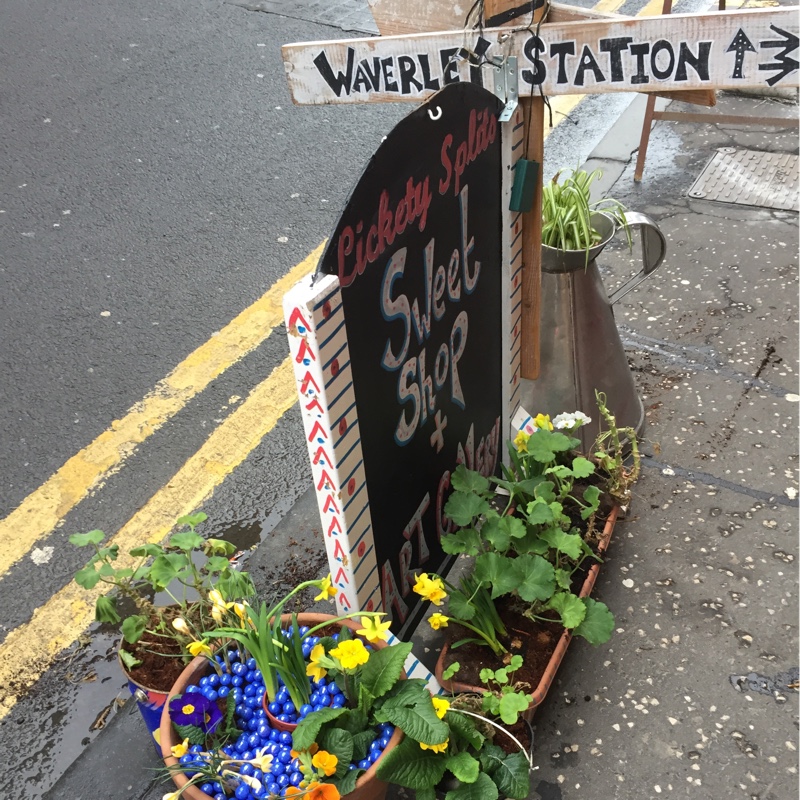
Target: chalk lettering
(481, 132)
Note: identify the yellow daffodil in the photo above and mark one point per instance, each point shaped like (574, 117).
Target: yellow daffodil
(311, 750)
(216, 598)
(313, 668)
(327, 589)
(181, 749)
(374, 630)
(263, 762)
(199, 649)
(438, 620)
(180, 625)
(436, 748)
(431, 589)
(542, 422)
(521, 442)
(172, 795)
(325, 762)
(441, 706)
(351, 653)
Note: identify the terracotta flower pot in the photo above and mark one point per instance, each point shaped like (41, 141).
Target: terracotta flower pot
(368, 786)
(540, 692)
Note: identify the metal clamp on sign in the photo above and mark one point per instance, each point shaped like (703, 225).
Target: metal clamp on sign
(506, 85)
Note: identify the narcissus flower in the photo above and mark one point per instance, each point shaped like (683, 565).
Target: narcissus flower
(431, 589)
(441, 706)
(199, 649)
(438, 620)
(325, 762)
(436, 748)
(350, 654)
(313, 668)
(521, 442)
(327, 589)
(181, 749)
(180, 625)
(571, 421)
(542, 422)
(374, 630)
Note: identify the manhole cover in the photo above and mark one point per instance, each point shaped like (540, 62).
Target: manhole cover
(750, 178)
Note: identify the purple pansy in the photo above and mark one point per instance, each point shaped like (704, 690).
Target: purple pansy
(195, 709)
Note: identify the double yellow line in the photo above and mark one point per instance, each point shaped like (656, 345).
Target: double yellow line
(29, 649)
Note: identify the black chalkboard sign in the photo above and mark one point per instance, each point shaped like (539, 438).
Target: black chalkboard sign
(418, 255)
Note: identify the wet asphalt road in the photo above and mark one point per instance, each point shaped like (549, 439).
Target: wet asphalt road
(153, 157)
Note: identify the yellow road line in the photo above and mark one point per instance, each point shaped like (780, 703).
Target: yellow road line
(31, 648)
(42, 510)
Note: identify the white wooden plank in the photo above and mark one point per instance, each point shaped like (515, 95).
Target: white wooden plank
(721, 50)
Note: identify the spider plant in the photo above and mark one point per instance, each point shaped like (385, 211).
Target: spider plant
(567, 211)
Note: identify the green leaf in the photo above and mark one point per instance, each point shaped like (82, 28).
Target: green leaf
(192, 520)
(598, 624)
(567, 543)
(194, 733)
(495, 533)
(513, 704)
(216, 564)
(559, 470)
(147, 551)
(464, 729)
(307, 730)
(531, 543)
(133, 627)
(165, 568)
(219, 546)
(545, 491)
(463, 508)
(497, 570)
(582, 467)
(105, 610)
(468, 480)
(187, 541)
(569, 607)
(383, 669)
(426, 794)
(340, 744)
(464, 540)
(419, 722)
(539, 512)
(563, 579)
(82, 539)
(464, 766)
(458, 607)
(592, 497)
(536, 577)
(410, 766)
(88, 577)
(361, 743)
(483, 789)
(511, 773)
(348, 783)
(128, 659)
(543, 445)
(451, 670)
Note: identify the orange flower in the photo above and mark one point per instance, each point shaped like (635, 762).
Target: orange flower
(315, 791)
(325, 762)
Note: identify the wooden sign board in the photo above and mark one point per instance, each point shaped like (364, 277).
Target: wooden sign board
(723, 50)
(412, 16)
(399, 348)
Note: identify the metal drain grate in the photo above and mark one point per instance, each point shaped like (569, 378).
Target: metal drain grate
(750, 178)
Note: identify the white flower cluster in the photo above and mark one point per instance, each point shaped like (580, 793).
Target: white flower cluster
(571, 422)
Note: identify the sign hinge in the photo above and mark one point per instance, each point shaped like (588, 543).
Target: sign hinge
(506, 86)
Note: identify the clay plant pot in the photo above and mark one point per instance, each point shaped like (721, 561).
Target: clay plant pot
(368, 786)
(540, 692)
